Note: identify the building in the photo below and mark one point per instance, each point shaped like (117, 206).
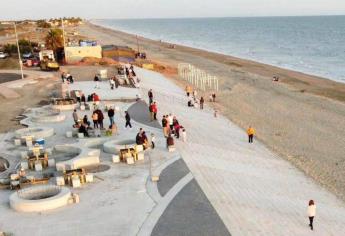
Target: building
(76, 54)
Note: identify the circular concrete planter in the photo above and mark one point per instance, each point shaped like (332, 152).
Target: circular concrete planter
(40, 198)
(64, 104)
(49, 119)
(114, 146)
(36, 132)
(82, 157)
(47, 115)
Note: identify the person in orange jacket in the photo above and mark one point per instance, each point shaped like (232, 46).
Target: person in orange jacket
(251, 133)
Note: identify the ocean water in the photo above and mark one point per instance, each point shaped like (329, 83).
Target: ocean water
(313, 45)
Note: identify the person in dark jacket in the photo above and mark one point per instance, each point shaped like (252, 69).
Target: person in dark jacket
(128, 120)
(100, 118)
(83, 129)
(150, 94)
(170, 141)
(86, 122)
(202, 103)
(83, 98)
(111, 114)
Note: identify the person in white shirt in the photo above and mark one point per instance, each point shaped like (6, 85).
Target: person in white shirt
(171, 121)
(311, 213)
(184, 135)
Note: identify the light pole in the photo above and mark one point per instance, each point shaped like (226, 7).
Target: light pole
(63, 32)
(19, 57)
(64, 40)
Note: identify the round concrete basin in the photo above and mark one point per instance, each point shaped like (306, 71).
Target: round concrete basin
(114, 146)
(36, 132)
(40, 198)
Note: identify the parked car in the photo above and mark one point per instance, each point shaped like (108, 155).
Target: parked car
(3, 55)
(32, 62)
(27, 55)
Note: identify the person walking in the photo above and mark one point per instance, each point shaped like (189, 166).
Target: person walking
(95, 119)
(111, 114)
(202, 103)
(128, 120)
(311, 213)
(150, 94)
(96, 79)
(251, 133)
(75, 116)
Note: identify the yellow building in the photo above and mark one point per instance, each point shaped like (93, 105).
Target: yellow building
(76, 54)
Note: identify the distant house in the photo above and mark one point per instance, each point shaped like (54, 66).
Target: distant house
(76, 54)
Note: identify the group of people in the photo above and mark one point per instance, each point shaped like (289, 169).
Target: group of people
(67, 77)
(84, 125)
(171, 126)
(81, 98)
(141, 139)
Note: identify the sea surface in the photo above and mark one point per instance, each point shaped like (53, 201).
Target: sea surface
(314, 45)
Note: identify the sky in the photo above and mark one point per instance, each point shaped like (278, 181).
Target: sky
(101, 9)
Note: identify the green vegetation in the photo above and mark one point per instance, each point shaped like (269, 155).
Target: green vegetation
(25, 46)
(54, 40)
(43, 24)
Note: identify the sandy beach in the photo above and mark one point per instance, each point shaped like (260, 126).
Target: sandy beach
(301, 118)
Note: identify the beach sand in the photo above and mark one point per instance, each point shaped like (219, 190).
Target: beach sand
(301, 118)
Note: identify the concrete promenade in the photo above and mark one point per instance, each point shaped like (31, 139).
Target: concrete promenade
(254, 191)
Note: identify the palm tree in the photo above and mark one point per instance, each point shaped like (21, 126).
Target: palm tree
(54, 40)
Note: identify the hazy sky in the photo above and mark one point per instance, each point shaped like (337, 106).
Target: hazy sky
(19, 9)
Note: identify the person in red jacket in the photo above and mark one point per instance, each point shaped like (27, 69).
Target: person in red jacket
(96, 98)
(154, 110)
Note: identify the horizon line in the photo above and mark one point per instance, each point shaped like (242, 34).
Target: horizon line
(213, 17)
(170, 18)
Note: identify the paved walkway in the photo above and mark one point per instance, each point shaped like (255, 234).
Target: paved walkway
(254, 191)
(139, 112)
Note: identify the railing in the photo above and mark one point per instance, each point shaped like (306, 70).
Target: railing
(172, 98)
(198, 77)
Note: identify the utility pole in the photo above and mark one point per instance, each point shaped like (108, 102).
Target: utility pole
(63, 32)
(19, 57)
(64, 40)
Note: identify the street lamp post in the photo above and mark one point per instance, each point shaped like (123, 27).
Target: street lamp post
(19, 57)
(64, 40)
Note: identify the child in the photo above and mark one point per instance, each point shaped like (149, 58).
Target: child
(184, 135)
(153, 139)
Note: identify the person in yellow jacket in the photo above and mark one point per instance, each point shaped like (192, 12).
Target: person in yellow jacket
(251, 133)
